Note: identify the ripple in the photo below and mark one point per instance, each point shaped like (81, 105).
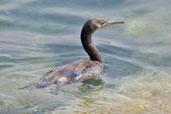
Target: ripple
(38, 35)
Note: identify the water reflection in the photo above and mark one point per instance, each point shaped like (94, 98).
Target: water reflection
(142, 95)
(91, 85)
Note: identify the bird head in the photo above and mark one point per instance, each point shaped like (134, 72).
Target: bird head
(96, 24)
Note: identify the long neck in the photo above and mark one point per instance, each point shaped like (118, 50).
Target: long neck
(89, 46)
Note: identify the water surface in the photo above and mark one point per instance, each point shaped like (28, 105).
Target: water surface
(38, 35)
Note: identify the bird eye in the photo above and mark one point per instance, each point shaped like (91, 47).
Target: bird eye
(102, 22)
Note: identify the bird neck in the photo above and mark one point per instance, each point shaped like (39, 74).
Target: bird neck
(88, 45)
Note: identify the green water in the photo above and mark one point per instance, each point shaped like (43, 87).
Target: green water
(38, 35)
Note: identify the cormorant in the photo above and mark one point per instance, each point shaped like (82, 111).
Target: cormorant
(84, 69)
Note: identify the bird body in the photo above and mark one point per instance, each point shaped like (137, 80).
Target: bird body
(71, 73)
(84, 69)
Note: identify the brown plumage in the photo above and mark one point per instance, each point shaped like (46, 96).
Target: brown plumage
(67, 73)
(84, 69)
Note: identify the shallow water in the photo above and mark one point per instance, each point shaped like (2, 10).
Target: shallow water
(38, 35)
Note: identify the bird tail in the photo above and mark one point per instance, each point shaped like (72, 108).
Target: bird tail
(43, 84)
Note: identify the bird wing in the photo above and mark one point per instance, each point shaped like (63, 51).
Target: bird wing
(70, 73)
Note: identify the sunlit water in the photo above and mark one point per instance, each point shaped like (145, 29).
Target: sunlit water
(38, 35)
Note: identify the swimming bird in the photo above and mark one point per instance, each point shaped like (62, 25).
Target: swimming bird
(84, 69)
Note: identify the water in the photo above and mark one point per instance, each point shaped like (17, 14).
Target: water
(38, 35)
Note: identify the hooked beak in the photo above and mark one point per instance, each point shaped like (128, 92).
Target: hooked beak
(107, 23)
